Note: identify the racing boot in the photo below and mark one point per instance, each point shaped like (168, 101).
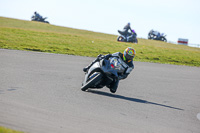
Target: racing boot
(113, 90)
(114, 86)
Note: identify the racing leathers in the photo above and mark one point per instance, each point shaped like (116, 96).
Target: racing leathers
(128, 35)
(126, 28)
(124, 71)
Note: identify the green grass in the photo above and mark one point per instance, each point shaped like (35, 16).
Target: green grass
(6, 130)
(36, 36)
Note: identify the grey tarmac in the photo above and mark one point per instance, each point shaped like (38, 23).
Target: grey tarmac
(40, 93)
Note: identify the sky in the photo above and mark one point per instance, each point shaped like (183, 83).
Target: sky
(175, 18)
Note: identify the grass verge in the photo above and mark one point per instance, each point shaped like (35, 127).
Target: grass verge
(36, 36)
(7, 130)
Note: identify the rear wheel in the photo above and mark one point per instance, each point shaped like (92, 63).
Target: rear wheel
(92, 81)
(120, 39)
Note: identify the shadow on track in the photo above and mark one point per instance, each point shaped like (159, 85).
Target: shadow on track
(129, 98)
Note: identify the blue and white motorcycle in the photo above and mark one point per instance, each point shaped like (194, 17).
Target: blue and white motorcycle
(155, 35)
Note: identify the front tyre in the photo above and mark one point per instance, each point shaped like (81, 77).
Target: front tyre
(92, 82)
(135, 41)
(164, 39)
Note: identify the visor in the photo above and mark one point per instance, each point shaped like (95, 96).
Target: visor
(128, 57)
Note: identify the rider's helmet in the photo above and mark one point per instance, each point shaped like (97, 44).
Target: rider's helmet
(129, 54)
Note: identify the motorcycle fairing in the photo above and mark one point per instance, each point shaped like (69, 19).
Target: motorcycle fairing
(103, 67)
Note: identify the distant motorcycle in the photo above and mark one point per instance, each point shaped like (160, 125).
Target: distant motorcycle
(102, 73)
(123, 37)
(39, 19)
(155, 35)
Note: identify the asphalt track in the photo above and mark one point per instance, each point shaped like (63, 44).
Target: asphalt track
(40, 93)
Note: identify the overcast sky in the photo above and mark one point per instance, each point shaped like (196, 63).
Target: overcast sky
(176, 18)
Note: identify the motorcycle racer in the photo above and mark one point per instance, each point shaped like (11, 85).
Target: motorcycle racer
(126, 60)
(128, 35)
(37, 16)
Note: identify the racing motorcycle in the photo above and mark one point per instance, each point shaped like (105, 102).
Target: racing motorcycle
(102, 73)
(123, 37)
(34, 18)
(155, 35)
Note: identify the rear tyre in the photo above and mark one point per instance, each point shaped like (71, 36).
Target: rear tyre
(91, 82)
(120, 39)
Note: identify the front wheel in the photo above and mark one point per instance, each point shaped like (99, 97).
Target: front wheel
(164, 39)
(92, 81)
(135, 41)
